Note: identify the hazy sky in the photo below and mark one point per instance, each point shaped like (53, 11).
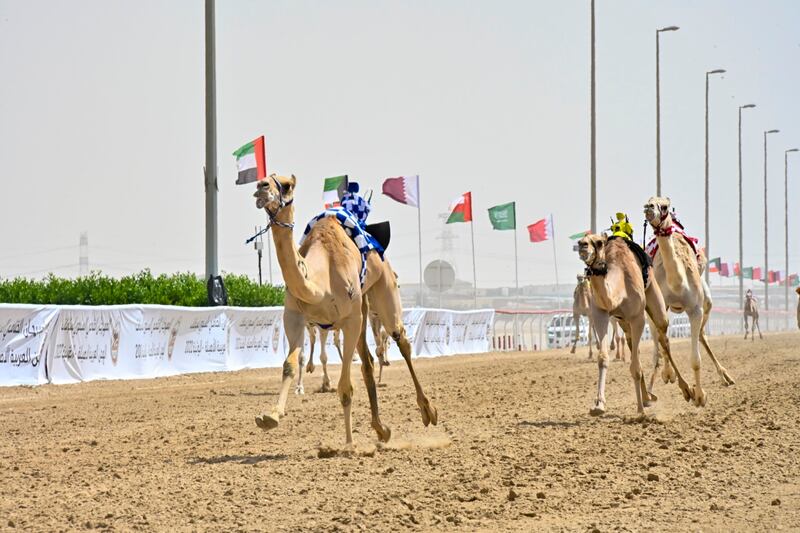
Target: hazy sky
(102, 122)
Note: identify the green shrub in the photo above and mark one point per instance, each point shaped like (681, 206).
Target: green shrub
(185, 289)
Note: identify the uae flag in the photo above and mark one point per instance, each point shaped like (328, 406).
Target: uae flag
(714, 264)
(251, 162)
(333, 189)
(461, 209)
(794, 280)
(541, 230)
(404, 189)
(581, 235)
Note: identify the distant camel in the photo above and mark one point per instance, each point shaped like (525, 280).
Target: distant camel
(617, 339)
(751, 310)
(798, 307)
(582, 306)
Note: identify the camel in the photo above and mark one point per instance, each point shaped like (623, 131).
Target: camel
(323, 357)
(751, 310)
(381, 344)
(324, 285)
(619, 290)
(797, 290)
(678, 268)
(617, 339)
(581, 306)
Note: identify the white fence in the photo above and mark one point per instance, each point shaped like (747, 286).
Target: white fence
(68, 344)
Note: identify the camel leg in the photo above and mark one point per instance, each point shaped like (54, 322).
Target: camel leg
(601, 319)
(368, 373)
(659, 326)
(696, 322)
(575, 320)
(613, 338)
(352, 331)
(757, 325)
(337, 342)
(746, 327)
(726, 378)
(592, 335)
(642, 399)
(312, 339)
(323, 358)
(293, 324)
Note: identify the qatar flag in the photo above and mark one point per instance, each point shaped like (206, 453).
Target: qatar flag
(404, 189)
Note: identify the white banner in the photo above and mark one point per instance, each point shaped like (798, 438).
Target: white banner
(69, 344)
(24, 333)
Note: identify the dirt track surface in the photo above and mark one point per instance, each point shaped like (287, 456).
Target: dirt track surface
(515, 449)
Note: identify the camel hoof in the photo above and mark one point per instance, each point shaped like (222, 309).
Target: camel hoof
(727, 380)
(326, 387)
(385, 362)
(700, 398)
(599, 408)
(384, 433)
(310, 368)
(688, 394)
(668, 374)
(299, 390)
(429, 413)
(572, 350)
(267, 422)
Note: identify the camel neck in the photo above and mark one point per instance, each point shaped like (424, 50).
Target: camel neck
(293, 266)
(673, 268)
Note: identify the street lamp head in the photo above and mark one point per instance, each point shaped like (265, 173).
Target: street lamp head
(772, 131)
(748, 106)
(717, 71)
(793, 150)
(669, 28)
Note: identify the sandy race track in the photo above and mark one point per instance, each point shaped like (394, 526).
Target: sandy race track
(515, 449)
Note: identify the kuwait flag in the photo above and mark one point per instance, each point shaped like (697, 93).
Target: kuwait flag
(461, 209)
(333, 189)
(404, 189)
(580, 235)
(714, 264)
(541, 230)
(251, 162)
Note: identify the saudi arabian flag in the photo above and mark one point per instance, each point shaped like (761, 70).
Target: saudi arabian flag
(251, 162)
(333, 189)
(580, 235)
(747, 272)
(503, 216)
(461, 209)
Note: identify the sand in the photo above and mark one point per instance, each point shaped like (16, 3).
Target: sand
(515, 449)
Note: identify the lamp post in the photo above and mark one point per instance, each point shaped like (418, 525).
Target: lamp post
(786, 222)
(766, 229)
(708, 245)
(658, 110)
(593, 144)
(741, 251)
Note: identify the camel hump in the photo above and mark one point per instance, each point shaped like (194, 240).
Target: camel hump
(642, 257)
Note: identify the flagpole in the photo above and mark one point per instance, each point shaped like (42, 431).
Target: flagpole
(516, 280)
(419, 229)
(555, 260)
(474, 276)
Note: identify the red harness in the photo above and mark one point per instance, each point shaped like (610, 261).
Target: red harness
(652, 246)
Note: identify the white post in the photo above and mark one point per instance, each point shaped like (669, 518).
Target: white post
(419, 229)
(474, 275)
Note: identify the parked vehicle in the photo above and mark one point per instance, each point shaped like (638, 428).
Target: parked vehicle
(561, 331)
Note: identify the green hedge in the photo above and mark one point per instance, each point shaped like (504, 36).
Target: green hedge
(186, 289)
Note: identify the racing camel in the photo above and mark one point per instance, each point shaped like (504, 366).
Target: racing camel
(751, 311)
(324, 286)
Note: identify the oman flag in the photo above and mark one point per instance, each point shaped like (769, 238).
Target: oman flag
(461, 209)
(404, 189)
(541, 230)
(737, 271)
(251, 162)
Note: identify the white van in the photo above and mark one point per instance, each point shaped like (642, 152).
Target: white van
(561, 331)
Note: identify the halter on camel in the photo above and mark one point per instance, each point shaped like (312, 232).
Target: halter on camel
(283, 203)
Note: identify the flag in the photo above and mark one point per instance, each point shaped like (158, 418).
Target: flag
(333, 189)
(757, 274)
(404, 189)
(747, 273)
(580, 235)
(503, 216)
(541, 230)
(724, 270)
(461, 209)
(714, 264)
(772, 276)
(251, 162)
(737, 271)
(794, 280)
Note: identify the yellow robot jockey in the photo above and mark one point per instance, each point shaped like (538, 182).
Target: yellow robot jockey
(622, 227)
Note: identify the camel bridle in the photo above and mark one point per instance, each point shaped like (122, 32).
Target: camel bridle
(273, 221)
(601, 269)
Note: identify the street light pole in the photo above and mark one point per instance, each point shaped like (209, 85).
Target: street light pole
(766, 230)
(658, 109)
(211, 144)
(708, 245)
(786, 221)
(741, 250)
(593, 147)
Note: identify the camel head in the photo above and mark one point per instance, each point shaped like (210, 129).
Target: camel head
(274, 193)
(797, 290)
(656, 211)
(592, 251)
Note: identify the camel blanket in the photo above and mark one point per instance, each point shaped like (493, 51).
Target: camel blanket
(354, 229)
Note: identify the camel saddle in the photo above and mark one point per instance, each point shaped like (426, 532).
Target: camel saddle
(382, 232)
(641, 256)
